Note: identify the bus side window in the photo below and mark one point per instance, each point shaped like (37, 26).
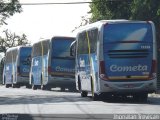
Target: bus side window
(93, 37)
(73, 49)
(82, 44)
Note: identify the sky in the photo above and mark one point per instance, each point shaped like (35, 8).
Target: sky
(44, 21)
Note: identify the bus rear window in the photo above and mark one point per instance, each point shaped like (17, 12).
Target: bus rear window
(61, 47)
(25, 56)
(125, 32)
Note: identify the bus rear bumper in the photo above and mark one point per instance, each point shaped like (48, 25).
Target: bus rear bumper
(61, 82)
(22, 80)
(128, 87)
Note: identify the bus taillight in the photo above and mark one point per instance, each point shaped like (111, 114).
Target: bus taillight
(102, 70)
(18, 70)
(49, 69)
(153, 69)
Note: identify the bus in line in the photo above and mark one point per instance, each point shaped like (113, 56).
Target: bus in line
(17, 66)
(116, 57)
(52, 66)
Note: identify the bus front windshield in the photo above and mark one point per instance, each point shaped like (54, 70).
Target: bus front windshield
(61, 47)
(125, 32)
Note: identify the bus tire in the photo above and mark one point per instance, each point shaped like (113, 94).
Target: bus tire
(7, 85)
(29, 86)
(14, 86)
(95, 97)
(84, 93)
(45, 87)
(140, 97)
(62, 89)
(34, 87)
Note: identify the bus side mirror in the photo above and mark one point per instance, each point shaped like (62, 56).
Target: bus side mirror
(73, 49)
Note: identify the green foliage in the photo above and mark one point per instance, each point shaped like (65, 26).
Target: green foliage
(127, 9)
(12, 40)
(147, 10)
(8, 8)
(116, 9)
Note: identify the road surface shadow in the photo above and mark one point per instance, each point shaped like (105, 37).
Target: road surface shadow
(56, 117)
(130, 100)
(39, 99)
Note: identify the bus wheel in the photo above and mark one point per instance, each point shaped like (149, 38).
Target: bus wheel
(7, 85)
(84, 93)
(62, 89)
(141, 97)
(34, 87)
(95, 97)
(45, 87)
(29, 86)
(13, 85)
(72, 89)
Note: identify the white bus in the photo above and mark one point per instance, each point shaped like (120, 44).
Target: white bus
(116, 57)
(17, 66)
(52, 66)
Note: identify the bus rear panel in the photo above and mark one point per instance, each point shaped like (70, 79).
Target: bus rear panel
(129, 60)
(62, 64)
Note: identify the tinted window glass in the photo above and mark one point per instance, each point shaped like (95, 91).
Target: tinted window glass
(61, 47)
(25, 55)
(127, 32)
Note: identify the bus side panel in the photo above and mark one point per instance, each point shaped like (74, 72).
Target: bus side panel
(37, 70)
(8, 73)
(94, 71)
(14, 72)
(45, 70)
(84, 72)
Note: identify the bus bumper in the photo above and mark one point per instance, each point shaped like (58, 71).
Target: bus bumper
(61, 82)
(22, 80)
(128, 87)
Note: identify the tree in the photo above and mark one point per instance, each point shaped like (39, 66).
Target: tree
(8, 8)
(127, 9)
(84, 21)
(104, 9)
(12, 40)
(147, 10)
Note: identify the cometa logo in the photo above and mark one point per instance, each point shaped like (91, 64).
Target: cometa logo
(60, 69)
(116, 68)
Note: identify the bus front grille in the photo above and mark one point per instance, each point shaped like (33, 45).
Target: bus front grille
(128, 53)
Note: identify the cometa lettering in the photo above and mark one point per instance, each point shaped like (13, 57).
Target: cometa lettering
(116, 68)
(60, 69)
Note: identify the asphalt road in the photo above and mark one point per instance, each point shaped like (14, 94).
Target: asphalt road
(38, 104)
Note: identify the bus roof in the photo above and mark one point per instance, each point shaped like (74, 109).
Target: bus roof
(41, 41)
(63, 37)
(17, 47)
(102, 22)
